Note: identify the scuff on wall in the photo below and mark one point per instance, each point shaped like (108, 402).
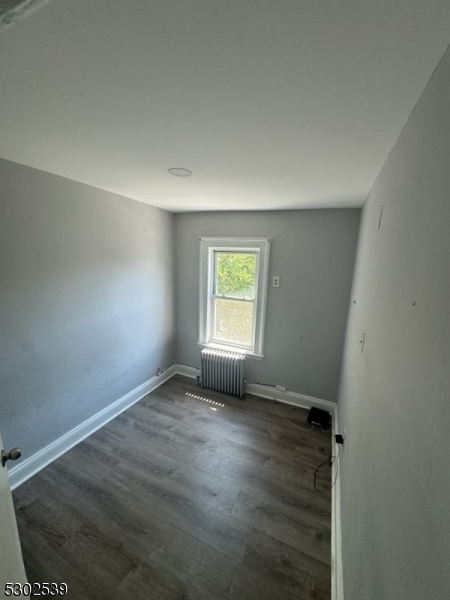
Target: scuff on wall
(13, 10)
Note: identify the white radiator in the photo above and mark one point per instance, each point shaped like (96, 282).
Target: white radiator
(223, 371)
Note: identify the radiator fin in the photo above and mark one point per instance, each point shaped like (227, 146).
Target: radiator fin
(223, 371)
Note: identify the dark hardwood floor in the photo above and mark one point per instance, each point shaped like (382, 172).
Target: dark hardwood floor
(181, 498)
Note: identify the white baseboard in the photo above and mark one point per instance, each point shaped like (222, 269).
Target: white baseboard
(19, 473)
(288, 397)
(192, 372)
(32, 465)
(271, 393)
(337, 587)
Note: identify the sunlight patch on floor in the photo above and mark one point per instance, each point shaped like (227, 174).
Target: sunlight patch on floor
(203, 399)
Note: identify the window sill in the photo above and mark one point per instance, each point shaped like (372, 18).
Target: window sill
(225, 348)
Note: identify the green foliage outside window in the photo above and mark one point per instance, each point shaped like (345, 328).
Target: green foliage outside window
(236, 275)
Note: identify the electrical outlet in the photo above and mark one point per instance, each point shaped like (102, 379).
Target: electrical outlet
(275, 282)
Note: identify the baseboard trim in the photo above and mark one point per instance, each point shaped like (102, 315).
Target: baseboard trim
(264, 391)
(288, 397)
(337, 588)
(191, 372)
(19, 473)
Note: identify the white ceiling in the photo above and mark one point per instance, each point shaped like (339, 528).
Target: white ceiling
(272, 104)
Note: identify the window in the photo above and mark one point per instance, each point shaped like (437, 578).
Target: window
(233, 286)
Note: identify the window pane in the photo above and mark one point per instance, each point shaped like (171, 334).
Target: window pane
(233, 321)
(235, 274)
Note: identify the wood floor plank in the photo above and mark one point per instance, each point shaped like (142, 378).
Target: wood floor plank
(192, 556)
(189, 494)
(64, 523)
(306, 536)
(297, 571)
(192, 511)
(254, 585)
(151, 581)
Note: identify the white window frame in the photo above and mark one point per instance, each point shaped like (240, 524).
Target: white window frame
(208, 247)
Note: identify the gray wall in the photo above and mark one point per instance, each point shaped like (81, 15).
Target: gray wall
(313, 252)
(394, 398)
(86, 301)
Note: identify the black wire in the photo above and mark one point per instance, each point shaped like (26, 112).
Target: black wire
(330, 460)
(259, 383)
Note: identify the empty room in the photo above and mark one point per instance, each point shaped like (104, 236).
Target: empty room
(224, 299)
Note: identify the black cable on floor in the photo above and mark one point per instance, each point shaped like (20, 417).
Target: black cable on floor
(330, 460)
(259, 383)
